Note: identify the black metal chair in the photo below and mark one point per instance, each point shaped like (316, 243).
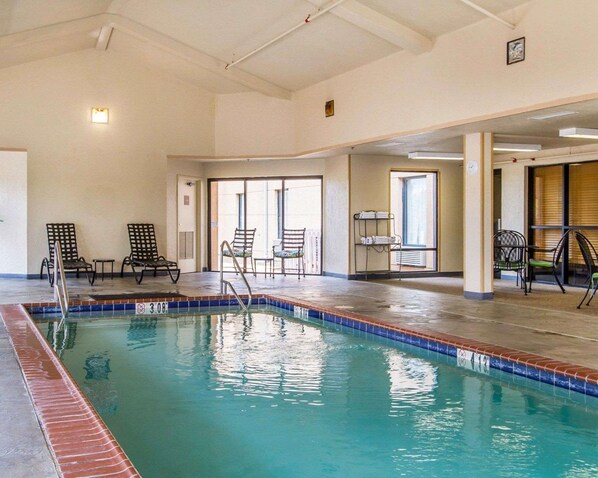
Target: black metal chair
(550, 265)
(510, 254)
(590, 258)
(242, 246)
(72, 262)
(144, 254)
(291, 247)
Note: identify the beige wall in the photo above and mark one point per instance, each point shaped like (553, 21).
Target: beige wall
(13, 212)
(464, 77)
(99, 176)
(370, 190)
(263, 168)
(253, 124)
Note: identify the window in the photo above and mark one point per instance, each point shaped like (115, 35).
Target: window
(414, 208)
(414, 211)
(563, 198)
(241, 211)
(279, 209)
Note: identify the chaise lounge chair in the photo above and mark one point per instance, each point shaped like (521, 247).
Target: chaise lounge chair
(72, 262)
(144, 254)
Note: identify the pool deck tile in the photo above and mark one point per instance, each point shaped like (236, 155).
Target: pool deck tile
(52, 388)
(437, 321)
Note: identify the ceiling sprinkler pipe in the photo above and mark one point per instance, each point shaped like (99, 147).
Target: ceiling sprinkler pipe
(310, 18)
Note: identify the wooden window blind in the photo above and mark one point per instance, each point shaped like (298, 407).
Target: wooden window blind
(583, 202)
(548, 207)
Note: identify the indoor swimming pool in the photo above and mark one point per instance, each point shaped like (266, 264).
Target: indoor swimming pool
(267, 394)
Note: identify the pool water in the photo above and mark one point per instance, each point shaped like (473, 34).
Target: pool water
(266, 395)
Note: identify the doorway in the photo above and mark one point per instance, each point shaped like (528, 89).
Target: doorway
(187, 221)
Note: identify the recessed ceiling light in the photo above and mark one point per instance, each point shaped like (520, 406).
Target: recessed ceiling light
(430, 155)
(556, 114)
(514, 147)
(587, 133)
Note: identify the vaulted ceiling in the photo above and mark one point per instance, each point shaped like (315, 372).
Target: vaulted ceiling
(195, 40)
(273, 47)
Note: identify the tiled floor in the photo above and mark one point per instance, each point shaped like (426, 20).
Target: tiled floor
(545, 322)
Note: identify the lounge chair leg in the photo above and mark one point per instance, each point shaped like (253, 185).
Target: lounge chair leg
(126, 262)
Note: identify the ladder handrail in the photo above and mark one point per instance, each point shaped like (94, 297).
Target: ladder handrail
(224, 283)
(61, 294)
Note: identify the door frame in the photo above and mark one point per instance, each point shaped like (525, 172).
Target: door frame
(198, 229)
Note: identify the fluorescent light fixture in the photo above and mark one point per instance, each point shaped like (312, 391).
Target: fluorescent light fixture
(586, 133)
(424, 155)
(556, 114)
(514, 147)
(99, 115)
(389, 144)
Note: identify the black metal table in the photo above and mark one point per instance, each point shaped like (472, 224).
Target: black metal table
(102, 262)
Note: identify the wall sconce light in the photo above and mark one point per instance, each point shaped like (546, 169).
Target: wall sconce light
(99, 115)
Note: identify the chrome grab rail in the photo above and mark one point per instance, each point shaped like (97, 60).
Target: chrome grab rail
(61, 294)
(224, 284)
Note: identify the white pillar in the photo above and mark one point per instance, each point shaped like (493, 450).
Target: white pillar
(477, 220)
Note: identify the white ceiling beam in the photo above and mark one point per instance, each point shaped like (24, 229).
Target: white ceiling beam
(489, 14)
(50, 32)
(105, 22)
(382, 26)
(104, 38)
(190, 54)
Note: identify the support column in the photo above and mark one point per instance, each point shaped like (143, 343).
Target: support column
(477, 220)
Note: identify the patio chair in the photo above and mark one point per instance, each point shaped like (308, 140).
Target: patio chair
(550, 265)
(71, 261)
(144, 254)
(291, 247)
(510, 254)
(242, 246)
(590, 258)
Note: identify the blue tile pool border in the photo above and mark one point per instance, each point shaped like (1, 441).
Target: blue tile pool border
(556, 373)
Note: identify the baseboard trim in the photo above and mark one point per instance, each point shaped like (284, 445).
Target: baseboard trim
(478, 295)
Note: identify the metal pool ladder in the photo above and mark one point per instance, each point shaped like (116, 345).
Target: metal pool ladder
(61, 293)
(224, 284)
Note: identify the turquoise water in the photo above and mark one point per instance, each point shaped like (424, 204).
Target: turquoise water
(266, 395)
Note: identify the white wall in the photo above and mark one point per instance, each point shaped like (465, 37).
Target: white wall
(370, 190)
(99, 176)
(336, 216)
(13, 212)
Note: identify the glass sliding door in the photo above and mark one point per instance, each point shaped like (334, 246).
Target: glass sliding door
(268, 205)
(303, 209)
(227, 212)
(263, 213)
(413, 199)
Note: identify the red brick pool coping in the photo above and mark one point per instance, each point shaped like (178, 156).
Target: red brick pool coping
(80, 441)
